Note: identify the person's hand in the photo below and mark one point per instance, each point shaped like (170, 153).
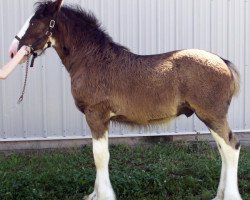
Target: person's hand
(25, 50)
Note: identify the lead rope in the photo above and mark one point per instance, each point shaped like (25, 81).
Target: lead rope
(25, 80)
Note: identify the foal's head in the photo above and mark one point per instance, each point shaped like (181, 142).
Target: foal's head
(38, 29)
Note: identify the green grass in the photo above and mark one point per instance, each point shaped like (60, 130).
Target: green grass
(175, 171)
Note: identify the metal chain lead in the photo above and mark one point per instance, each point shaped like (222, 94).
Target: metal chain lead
(25, 80)
(35, 55)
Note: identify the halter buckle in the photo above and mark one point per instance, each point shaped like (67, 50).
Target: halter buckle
(52, 23)
(48, 33)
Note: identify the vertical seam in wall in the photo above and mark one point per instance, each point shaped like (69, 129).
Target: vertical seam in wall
(139, 26)
(83, 119)
(175, 45)
(23, 69)
(158, 26)
(175, 39)
(101, 9)
(193, 44)
(245, 64)
(3, 83)
(228, 5)
(210, 26)
(119, 20)
(228, 28)
(82, 122)
(63, 102)
(193, 37)
(158, 35)
(45, 128)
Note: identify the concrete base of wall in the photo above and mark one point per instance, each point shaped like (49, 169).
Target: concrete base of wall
(30, 145)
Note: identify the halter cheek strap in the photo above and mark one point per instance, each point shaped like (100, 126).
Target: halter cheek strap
(48, 34)
(18, 38)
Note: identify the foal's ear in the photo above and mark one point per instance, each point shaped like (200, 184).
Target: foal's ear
(58, 5)
(49, 8)
(54, 7)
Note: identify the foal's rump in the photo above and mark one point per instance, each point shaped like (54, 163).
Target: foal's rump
(207, 82)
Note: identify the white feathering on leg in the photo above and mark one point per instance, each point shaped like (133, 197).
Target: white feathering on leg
(103, 186)
(231, 158)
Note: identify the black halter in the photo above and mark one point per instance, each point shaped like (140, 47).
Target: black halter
(33, 52)
(33, 46)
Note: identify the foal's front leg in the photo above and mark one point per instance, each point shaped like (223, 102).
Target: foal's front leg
(103, 188)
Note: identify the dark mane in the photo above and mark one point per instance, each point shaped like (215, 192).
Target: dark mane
(80, 22)
(73, 10)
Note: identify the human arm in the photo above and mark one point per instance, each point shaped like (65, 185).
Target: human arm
(9, 67)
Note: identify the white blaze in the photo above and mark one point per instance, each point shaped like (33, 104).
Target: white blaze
(15, 42)
(24, 28)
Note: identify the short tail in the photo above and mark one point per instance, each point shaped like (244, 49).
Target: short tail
(236, 77)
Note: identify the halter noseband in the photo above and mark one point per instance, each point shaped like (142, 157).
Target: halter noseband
(48, 34)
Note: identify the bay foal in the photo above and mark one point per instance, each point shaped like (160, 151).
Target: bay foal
(111, 83)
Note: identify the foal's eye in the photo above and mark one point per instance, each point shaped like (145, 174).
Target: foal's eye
(32, 24)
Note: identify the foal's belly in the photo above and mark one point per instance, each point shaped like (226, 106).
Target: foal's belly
(143, 115)
(153, 113)
(141, 121)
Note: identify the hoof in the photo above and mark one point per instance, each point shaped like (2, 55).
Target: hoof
(104, 196)
(231, 197)
(217, 198)
(220, 196)
(92, 196)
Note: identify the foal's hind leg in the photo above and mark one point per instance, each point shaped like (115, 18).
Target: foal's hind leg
(221, 187)
(229, 148)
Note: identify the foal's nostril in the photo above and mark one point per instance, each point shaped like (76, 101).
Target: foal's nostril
(12, 55)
